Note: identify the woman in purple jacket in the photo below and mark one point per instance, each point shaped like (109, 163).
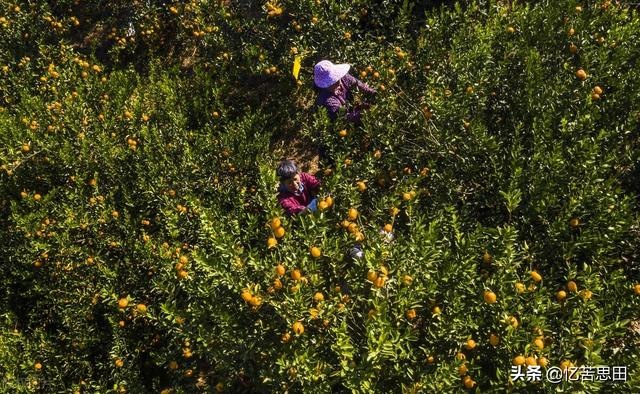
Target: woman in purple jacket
(336, 89)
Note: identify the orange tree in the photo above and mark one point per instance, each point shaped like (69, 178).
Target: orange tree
(145, 251)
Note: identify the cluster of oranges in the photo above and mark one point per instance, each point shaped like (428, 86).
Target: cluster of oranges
(351, 226)
(278, 232)
(181, 272)
(250, 298)
(378, 279)
(325, 203)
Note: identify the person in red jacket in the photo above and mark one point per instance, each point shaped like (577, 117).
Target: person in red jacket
(297, 190)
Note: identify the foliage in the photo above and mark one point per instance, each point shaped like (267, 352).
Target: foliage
(137, 192)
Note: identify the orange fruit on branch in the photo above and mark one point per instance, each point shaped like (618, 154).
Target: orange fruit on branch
(298, 328)
(518, 360)
(279, 232)
(489, 297)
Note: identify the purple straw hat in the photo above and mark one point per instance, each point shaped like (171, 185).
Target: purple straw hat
(326, 73)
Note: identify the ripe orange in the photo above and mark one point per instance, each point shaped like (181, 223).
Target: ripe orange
(280, 270)
(574, 222)
(407, 280)
(37, 197)
(38, 366)
(25, 148)
(468, 382)
(571, 32)
(361, 186)
(411, 314)
(255, 301)
(379, 282)
(573, 49)
(597, 90)
(595, 96)
(539, 343)
(173, 365)
(372, 276)
(462, 370)
(518, 360)
(406, 196)
(388, 227)
(183, 260)
(329, 201)
(122, 303)
(470, 344)
(586, 294)
(315, 252)
(142, 308)
(531, 361)
(295, 274)
(119, 363)
(275, 223)
(342, 133)
(494, 340)
(489, 297)
(182, 274)
(436, 310)
(520, 288)
(322, 205)
(277, 284)
(572, 286)
(460, 356)
(271, 243)
(636, 289)
(279, 232)
(286, 337)
(581, 74)
(536, 276)
(510, 29)
(352, 214)
(513, 322)
(246, 295)
(298, 328)
(318, 297)
(561, 295)
(542, 361)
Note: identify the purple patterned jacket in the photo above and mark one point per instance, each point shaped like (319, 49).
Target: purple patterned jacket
(333, 101)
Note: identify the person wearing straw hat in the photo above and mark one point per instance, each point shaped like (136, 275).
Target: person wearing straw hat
(336, 89)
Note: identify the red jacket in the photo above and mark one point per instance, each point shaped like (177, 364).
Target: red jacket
(296, 202)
